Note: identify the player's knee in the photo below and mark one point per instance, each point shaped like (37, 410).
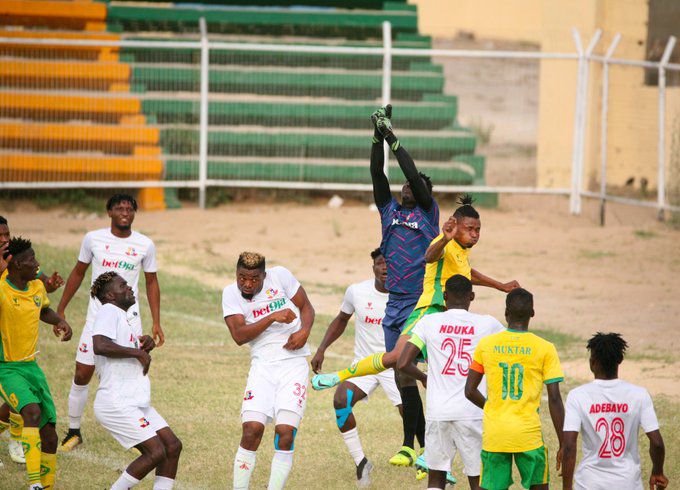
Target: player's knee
(252, 435)
(389, 360)
(31, 415)
(343, 409)
(340, 398)
(284, 440)
(173, 448)
(83, 374)
(156, 453)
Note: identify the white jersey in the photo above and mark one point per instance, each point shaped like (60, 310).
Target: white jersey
(368, 305)
(125, 256)
(451, 338)
(121, 380)
(608, 414)
(278, 289)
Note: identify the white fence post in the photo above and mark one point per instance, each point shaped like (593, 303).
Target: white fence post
(387, 80)
(573, 195)
(603, 126)
(203, 121)
(661, 179)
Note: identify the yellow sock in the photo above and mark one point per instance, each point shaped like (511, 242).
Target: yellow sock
(48, 470)
(30, 439)
(3, 426)
(368, 365)
(16, 425)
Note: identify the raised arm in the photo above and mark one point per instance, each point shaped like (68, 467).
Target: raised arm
(298, 339)
(72, 284)
(657, 452)
(420, 191)
(153, 294)
(333, 332)
(569, 439)
(381, 186)
(479, 279)
(243, 333)
(556, 408)
(436, 249)
(104, 346)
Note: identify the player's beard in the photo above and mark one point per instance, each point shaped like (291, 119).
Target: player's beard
(247, 296)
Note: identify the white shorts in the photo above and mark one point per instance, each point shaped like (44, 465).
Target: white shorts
(444, 438)
(129, 425)
(276, 386)
(369, 383)
(85, 352)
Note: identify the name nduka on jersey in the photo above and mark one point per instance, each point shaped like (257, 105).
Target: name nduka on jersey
(609, 408)
(277, 304)
(410, 224)
(458, 329)
(118, 264)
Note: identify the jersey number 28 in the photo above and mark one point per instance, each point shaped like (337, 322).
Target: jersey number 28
(614, 443)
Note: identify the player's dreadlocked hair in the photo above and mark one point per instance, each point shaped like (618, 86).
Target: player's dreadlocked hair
(250, 261)
(119, 198)
(100, 285)
(427, 180)
(466, 210)
(608, 349)
(376, 253)
(16, 246)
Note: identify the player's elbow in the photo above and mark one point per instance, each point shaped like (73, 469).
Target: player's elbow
(402, 363)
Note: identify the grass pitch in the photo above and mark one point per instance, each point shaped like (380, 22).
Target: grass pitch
(198, 379)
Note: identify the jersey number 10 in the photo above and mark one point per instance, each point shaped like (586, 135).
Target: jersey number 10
(513, 380)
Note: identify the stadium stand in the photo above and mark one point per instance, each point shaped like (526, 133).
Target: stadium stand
(93, 112)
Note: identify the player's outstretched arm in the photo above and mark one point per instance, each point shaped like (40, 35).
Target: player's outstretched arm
(556, 407)
(479, 279)
(104, 346)
(73, 282)
(657, 452)
(153, 294)
(242, 333)
(333, 332)
(406, 363)
(420, 191)
(298, 339)
(436, 249)
(61, 327)
(472, 392)
(569, 439)
(381, 186)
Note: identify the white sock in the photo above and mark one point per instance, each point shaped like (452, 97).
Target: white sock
(353, 443)
(244, 464)
(282, 462)
(163, 483)
(77, 399)
(125, 482)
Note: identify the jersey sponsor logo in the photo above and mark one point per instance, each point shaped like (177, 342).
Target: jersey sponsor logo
(369, 306)
(131, 252)
(83, 348)
(37, 300)
(609, 408)
(107, 247)
(373, 321)
(411, 224)
(15, 300)
(458, 329)
(248, 395)
(118, 264)
(143, 422)
(270, 308)
(512, 349)
(271, 293)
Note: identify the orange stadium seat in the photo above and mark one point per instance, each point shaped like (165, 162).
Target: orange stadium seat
(83, 15)
(102, 53)
(65, 74)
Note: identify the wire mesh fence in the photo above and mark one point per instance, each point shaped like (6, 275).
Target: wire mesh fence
(105, 112)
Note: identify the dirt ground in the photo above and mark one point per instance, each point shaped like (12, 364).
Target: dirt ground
(624, 277)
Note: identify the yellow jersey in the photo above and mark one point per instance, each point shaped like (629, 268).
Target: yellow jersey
(516, 365)
(454, 261)
(19, 319)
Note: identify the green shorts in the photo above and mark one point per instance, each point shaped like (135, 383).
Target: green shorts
(496, 471)
(22, 383)
(415, 317)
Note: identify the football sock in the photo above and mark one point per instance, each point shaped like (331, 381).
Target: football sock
(125, 482)
(353, 443)
(30, 439)
(163, 483)
(420, 429)
(3, 426)
(244, 463)
(16, 426)
(368, 365)
(77, 399)
(282, 462)
(413, 408)
(48, 463)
